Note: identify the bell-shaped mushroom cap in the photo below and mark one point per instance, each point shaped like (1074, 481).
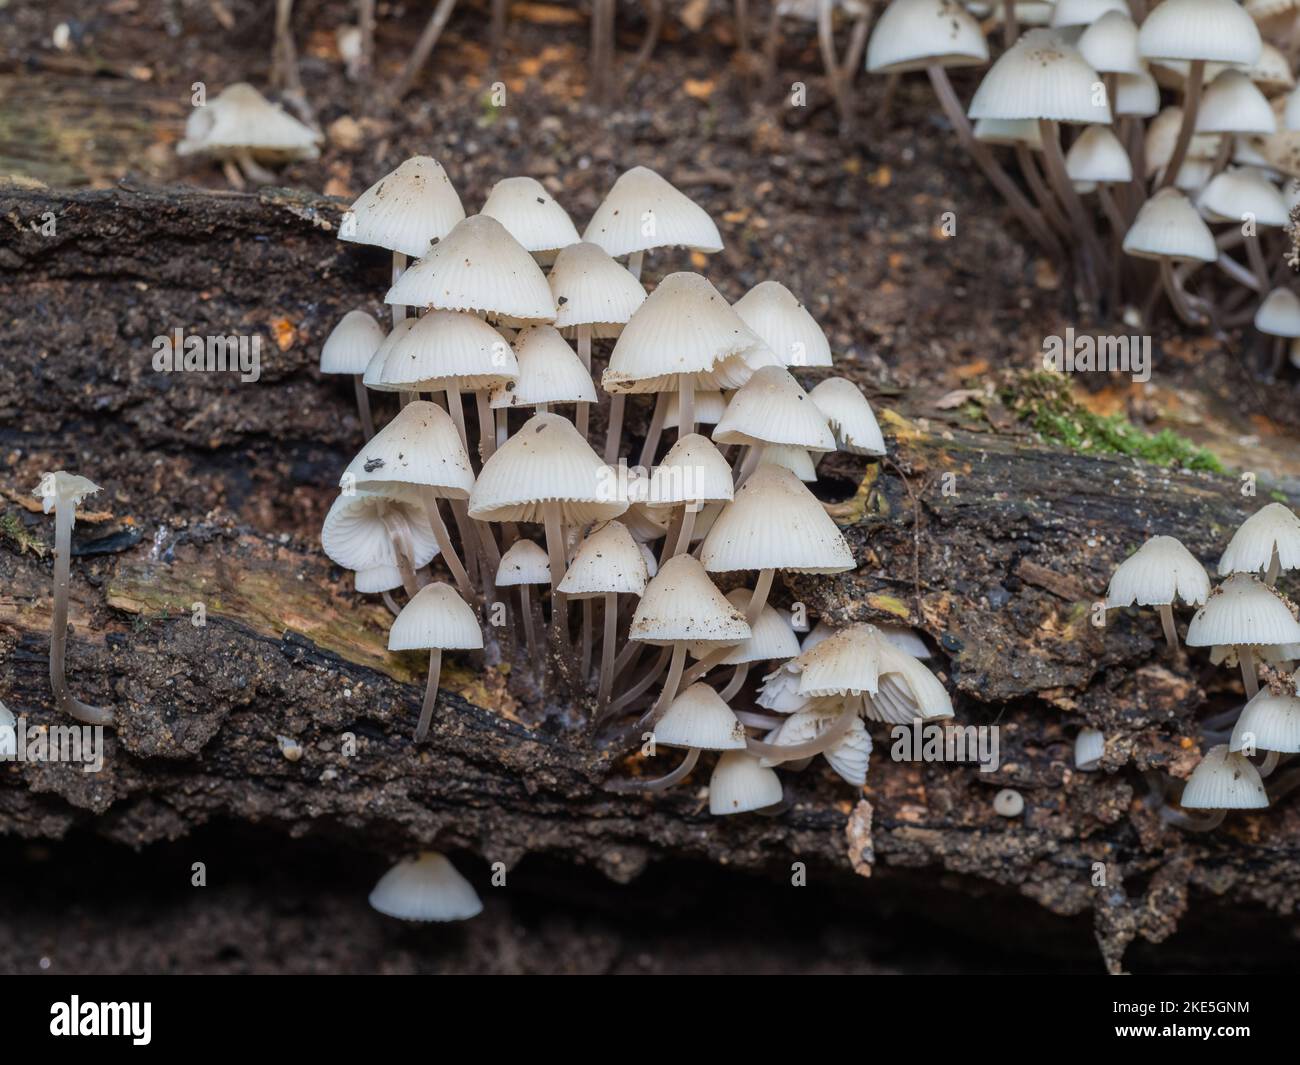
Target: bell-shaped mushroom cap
(549, 372)
(405, 211)
(1136, 95)
(446, 348)
(775, 523)
(907, 690)
(425, 888)
(850, 416)
(905, 639)
(740, 784)
(478, 266)
(1216, 30)
(63, 487)
(684, 327)
(608, 560)
(377, 579)
(1168, 226)
(358, 531)
(847, 662)
(241, 117)
(1097, 156)
(1279, 314)
(435, 617)
(524, 563)
(1067, 13)
(1239, 192)
(772, 637)
(693, 471)
(709, 406)
(1224, 781)
(1271, 531)
(590, 288)
(699, 718)
(771, 408)
(784, 325)
(915, 34)
(1270, 722)
(546, 461)
(1040, 77)
(795, 459)
(1243, 611)
(1110, 44)
(530, 214)
(1271, 71)
(1159, 573)
(351, 343)
(1089, 748)
(1233, 104)
(420, 447)
(373, 376)
(681, 605)
(1009, 132)
(643, 211)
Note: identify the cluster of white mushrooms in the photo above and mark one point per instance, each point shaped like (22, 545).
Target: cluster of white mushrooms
(1245, 622)
(1189, 121)
(488, 468)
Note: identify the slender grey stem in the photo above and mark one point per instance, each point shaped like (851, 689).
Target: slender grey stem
(430, 694)
(658, 783)
(1191, 103)
(65, 511)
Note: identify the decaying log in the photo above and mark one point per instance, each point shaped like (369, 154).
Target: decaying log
(213, 494)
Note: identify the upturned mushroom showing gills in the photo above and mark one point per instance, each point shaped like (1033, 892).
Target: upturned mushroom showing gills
(1158, 574)
(63, 492)
(436, 619)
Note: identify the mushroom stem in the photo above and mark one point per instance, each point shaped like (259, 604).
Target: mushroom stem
(530, 633)
(606, 685)
(1191, 102)
(363, 407)
(632, 694)
(487, 441)
(753, 719)
(1190, 822)
(1181, 304)
(65, 514)
(737, 682)
(1246, 656)
(430, 694)
(655, 431)
(423, 47)
(588, 640)
(457, 411)
(366, 25)
(1269, 763)
(823, 741)
(683, 544)
(685, 405)
(634, 263)
(583, 421)
(658, 783)
(669, 691)
(831, 61)
(445, 546)
(390, 602)
(1010, 28)
(255, 173)
(1274, 567)
(1090, 251)
(758, 598)
(399, 268)
(1167, 621)
(503, 426)
(555, 548)
(617, 403)
(1255, 256)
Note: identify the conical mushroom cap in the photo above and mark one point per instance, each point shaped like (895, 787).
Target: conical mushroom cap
(358, 530)
(591, 289)
(681, 605)
(699, 718)
(241, 117)
(693, 471)
(915, 34)
(771, 408)
(546, 461)
(524, 563)
(436, 617)
(1242, 612)
(1240, 191)
(530, 214)
(784, 325)
(1233, 104)
(772, 638)
(797, 460)
(1167, 226)
(1089, 748)
(478, 266)
(549, 372)
(405, 211)
(373, 376)
(1136, 95)
(1271, 529)
(1270, 722)
(1279, 314)
(425, 888)
(351, 343)
(1097, 156)
(418, 447)
(775, 523)
(740, 784)
(608, 560)
(1041, 77)
(643, 211)
(1110, 45)
(850, 416)
(684, 327)
(63, 487)
(1215, 30)
(845, 663)
(1159, 573)
(445, 349)
(1224, 781)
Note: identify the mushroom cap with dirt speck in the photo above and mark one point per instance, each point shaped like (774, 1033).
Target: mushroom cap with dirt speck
(549, 371)
(693, 471)
(699, 718)
(240, 117)
(845, 663)
(63, 487)
(425, 888)
(915, 34)
(446, 349)
(1110, 44)
(1097, 156)
(478, 267)
(1089, 748)
(546, 461)
(525, 562)
(608, 560)
(1278, 314)
(644, 211)
(772, 408)
(1168, 227)
(1273, 529)
(850, 416)
(436, 617)
(406, 211)
(1158, 573)
(1041, 77)
(420, 446)
(530, 214)
(1242, 191)
(591, 289)
(1214, 30)
(775, 523)
(681, 605)
(1008, 803)
(1243, 612)
(772, 638)
(1232, 103)
(1224, 781)
(351, 344)
(373, 377)
(784, 325)
(358, 532)
(740, 784)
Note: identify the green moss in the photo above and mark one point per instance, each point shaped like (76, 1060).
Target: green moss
(1043, 401)
(12, 529)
